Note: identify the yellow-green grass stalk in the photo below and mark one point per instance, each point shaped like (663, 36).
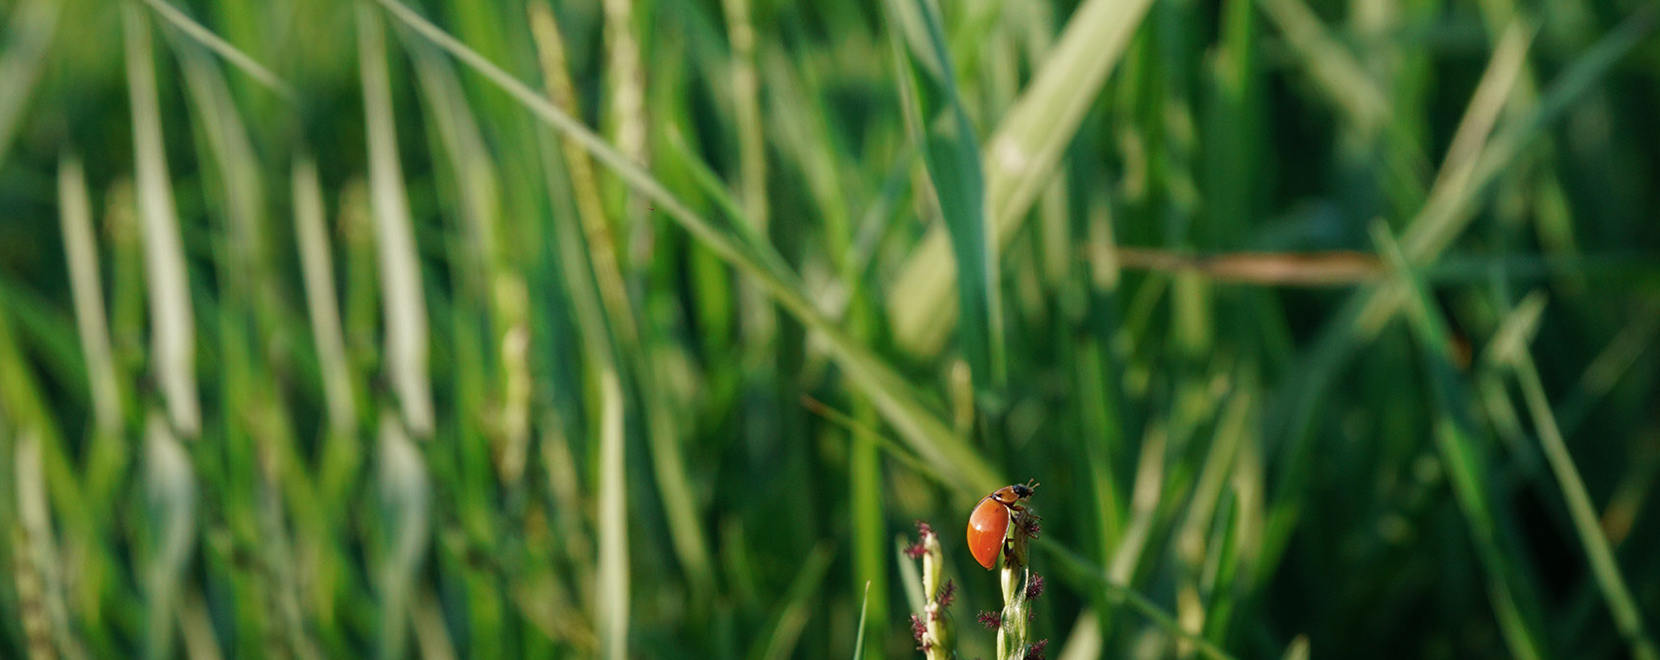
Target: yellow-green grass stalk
(668, 464)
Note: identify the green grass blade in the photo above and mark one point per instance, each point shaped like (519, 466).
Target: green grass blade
(946, 139)
(859, 638)
(1019, 159)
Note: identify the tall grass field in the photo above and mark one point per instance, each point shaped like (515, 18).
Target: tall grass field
(698, 328)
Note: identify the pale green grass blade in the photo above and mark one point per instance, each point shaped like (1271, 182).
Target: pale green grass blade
(30, 28)
(400, 271)
(317, 270)
(946, 139)
(223, 48)
(611, 618)
(81, 252)
(929, 436)
(173, 333)
(1019, 159)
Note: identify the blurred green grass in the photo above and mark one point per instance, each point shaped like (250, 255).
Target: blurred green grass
(629, 328)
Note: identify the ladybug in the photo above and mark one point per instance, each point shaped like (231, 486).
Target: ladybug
(989, 524)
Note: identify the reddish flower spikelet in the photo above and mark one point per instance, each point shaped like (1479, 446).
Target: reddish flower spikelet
(947, 593)
(1029, 524)
(1036, 652)
(1034, 588)
(918, 629)
(990, 619)
(924, 530)
(915, 551)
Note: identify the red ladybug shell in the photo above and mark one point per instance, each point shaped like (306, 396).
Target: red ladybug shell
(986, 528)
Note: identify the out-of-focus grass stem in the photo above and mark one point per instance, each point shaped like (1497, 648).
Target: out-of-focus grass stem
(173, 333)
(400, 272)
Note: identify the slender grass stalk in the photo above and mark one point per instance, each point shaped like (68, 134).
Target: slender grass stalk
(602, 248)
(400, 271)
(173, 333)
(625, 87)
(932, 628)
(1604, 567)
(317, 269)
(859, 637)
(746, 115)
(758, 323)
(1020, 586)
(223, 48)
(81, 251)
